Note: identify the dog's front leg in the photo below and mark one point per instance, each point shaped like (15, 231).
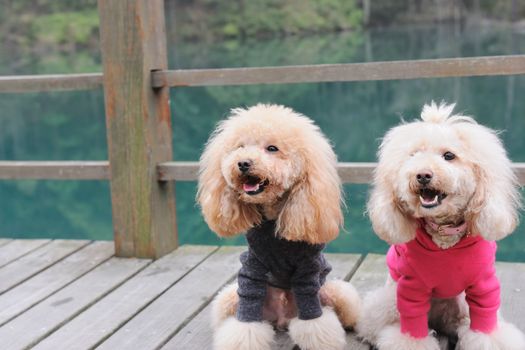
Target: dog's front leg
(247, 330)
(315, 327)
(413, 304)
(485, 330)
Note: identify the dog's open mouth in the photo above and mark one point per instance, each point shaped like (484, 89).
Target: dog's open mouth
(431, 198)
(253, 185)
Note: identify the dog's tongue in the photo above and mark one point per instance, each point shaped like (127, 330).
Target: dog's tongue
(250, 187)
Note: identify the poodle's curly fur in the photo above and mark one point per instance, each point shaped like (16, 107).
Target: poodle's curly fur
(294, 176)
(268, 162)
(472, 183)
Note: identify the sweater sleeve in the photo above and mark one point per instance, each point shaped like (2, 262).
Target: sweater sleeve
(252, 288)
(413, 304)
(483, 299)
(305, 286)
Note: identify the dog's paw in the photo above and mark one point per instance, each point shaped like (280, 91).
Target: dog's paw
(505, 337)
(344, 299)
(224, 305)
(324, 332)
(236, 335)
(391, 338)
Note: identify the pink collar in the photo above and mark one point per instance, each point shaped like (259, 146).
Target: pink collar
(447, 230)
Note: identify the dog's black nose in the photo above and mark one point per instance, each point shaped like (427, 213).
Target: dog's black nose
(244, 165)
(424, 177)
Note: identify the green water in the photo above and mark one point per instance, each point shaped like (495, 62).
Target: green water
(70, 125)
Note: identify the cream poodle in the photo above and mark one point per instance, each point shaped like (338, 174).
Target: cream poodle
(443, 193)
(269, 172)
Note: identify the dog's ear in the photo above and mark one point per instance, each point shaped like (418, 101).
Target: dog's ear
(312, 212)
(388, 219)
(493, 209)
(222, 211)
(389, 222)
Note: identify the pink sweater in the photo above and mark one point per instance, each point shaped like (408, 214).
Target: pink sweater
(423, 271)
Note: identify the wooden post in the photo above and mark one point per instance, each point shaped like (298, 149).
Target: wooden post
(133, 41)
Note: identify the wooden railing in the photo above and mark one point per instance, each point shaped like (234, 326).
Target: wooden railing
(136, 84)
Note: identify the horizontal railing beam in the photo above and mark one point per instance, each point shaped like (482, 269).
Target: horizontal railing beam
(389, 70)
(57, 82)
(357, 173)
(54, 170)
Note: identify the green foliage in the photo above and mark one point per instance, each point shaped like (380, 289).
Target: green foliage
(73, 28)
(263, 18)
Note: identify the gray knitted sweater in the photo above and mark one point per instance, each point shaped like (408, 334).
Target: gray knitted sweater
(298, 266)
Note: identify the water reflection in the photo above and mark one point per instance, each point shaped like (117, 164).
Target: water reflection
(353, 115)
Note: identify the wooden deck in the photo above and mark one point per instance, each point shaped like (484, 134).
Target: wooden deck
(69, 294)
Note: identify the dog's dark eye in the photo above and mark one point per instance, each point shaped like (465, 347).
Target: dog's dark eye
(449, 155)
(272, 148)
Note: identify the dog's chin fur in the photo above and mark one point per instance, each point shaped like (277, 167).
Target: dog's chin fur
(324, 332)
(234, 334)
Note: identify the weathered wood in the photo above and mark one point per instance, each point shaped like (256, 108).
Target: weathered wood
(133, 41)
(13, 250)
(108, 314)
(178, 171)
(512, 281)
(36, 261)
(343, 265)
(436, 68)
(36, 323)
(371, 274)
(154, 325)
(22, 297)
(55, 82)
(59, 170)
(198, 335)
(130, 303)
(390, 70)
(4, 241)
(358, 173)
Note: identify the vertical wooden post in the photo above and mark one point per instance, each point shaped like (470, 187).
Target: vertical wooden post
(133, 41)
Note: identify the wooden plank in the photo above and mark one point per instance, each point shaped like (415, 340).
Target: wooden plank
(197, 334)
(54, 82)
(36, 261)
(41, 320)
(103, 318)
(133, 43)
(390, 70)
(410, 69)
(188, 171)
(358, 173)
(14, 249)
(4, 241)
(59, 170)
(25, 295)
(371, 274)
(512, 292)
(343, 265)
(154, 325)
(178, 171)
